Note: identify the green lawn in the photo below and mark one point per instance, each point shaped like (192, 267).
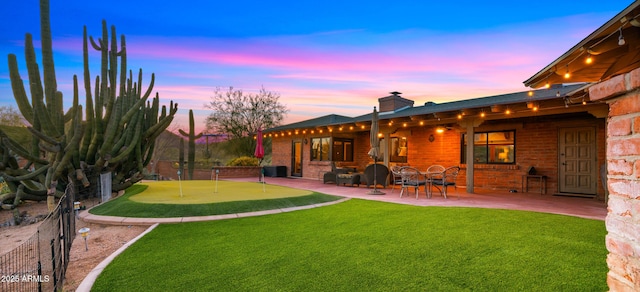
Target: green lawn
(364, 245)
(124, 206)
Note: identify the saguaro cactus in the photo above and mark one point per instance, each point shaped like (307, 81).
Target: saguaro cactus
(192, 143)
(117, 136)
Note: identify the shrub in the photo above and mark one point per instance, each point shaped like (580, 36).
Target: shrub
(244, 161)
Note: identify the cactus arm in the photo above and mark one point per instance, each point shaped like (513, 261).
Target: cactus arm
(28, 176)
(15, 147)
(18, 89)
(149, 154)
(125, 154)
(50, 85)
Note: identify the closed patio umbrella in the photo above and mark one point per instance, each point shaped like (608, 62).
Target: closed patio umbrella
(259, 153)
(374, 151)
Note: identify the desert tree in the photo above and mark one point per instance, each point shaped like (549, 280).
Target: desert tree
(240, 115)
(11, 117)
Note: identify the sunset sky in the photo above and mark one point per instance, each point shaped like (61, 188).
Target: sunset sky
(322, 57)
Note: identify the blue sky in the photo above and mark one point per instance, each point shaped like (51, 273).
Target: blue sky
(321, 56)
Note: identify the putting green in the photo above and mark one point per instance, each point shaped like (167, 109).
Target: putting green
(204, 191)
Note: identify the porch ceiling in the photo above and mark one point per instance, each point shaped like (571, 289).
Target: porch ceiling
(610, 56)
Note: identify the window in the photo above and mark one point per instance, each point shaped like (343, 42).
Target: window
(398, 151)
(320, 149)
(341, 149)
(491, 148)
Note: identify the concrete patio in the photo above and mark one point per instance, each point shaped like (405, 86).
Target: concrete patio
(573, 206)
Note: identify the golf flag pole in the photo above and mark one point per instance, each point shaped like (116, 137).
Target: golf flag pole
(180, 182)
(263, 184)
(216, 190)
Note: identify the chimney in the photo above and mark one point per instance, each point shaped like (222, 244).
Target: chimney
(394, 102)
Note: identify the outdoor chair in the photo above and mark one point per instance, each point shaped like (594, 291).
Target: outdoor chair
(396, 178)
(411, 178)
(381, 174)
(447, 178)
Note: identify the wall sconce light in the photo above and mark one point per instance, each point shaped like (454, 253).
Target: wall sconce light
(440, 130)
(431, 138)
(306, 141)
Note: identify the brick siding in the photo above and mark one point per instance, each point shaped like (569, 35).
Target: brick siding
(536, 145)
(623, 164)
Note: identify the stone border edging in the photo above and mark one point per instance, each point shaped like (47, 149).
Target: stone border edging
(117, 220)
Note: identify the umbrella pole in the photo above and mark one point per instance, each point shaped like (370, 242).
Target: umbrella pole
(375, 177)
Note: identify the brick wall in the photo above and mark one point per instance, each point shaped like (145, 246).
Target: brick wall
(167, 170)
(623, 164)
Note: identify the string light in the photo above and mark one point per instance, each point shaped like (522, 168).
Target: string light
(621, 41)
(589, 59)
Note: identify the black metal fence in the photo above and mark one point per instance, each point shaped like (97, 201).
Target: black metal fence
(39, 264)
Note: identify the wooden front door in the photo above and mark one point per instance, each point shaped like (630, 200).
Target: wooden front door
(578, 161)
(296, 158)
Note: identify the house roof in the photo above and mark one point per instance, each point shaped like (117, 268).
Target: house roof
(610, 56)
(553, 100)
(481, 103)
(313, 123)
